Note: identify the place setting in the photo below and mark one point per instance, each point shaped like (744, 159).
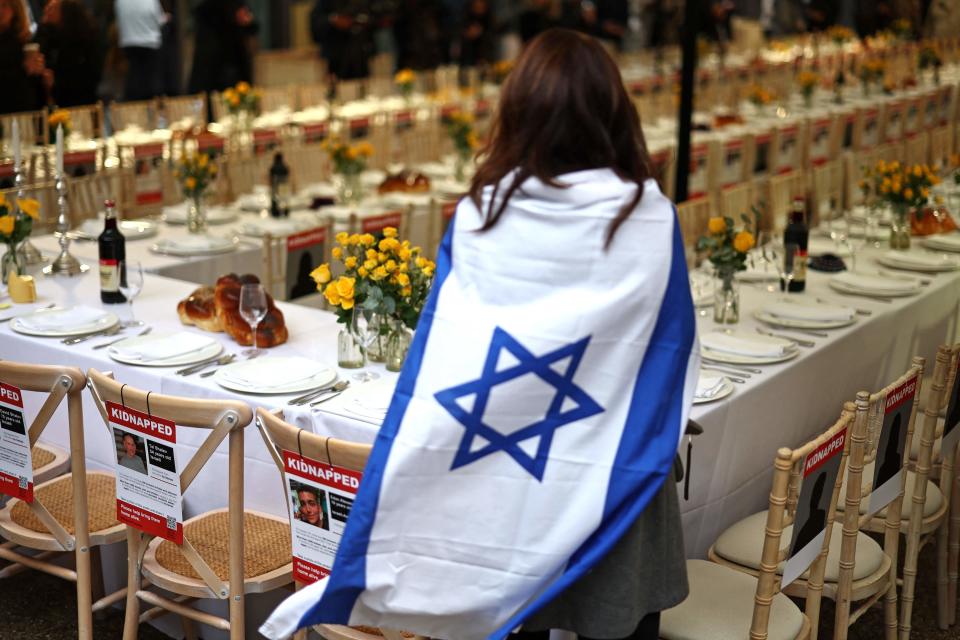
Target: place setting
(165, 349)
(876, 286)
(196, 245)
(797, 313)
(178, 214)
(66, 322)
(928, 262)
(711, 388)
(274, 375)
(943, 242)
(739, 347)
(91, 229)
(257, 227)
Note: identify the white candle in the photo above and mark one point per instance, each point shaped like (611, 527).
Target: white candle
(16, 144)
(60, 149)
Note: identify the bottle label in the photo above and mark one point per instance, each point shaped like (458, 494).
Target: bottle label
(109, 276)
(800, 267)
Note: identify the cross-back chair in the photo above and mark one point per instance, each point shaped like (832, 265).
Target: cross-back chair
(226, 553)
(280, 436)
(736, 200)
(71, 513)
(941, 146)
(274, 98)
(87, 193)
(441, 215)
(719, 604)
(313, 94)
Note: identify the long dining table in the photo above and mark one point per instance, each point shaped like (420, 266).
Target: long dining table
(731, 463)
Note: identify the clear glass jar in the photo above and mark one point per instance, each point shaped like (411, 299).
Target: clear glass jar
(349, 353)
(398, 345)
(196, 215)
(726, 300)
(900, 230)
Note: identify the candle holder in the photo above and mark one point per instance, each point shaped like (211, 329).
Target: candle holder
(29, 254)
(65, 263)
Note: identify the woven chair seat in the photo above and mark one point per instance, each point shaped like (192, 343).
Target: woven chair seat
(41, 456)
(57, 496)
(266, 546)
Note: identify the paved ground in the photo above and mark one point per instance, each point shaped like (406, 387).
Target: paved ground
(39, 607)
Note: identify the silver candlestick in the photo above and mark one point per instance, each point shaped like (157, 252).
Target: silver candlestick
(65, 263)
(29, 254)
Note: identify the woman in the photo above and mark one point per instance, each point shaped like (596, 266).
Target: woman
(21, 73)
(478, 35)
(222, 57)
(68, 39)
(565, 129)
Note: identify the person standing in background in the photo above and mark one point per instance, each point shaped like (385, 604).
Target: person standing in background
(478, 35)
(343, 29)
(422, 31)
(538, 16)
(221, 56)
(139, 23)
(67, 36)
(21, 72)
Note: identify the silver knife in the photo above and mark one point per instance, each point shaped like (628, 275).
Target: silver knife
(802, 343)
(737, 367)
(307, 397)
(329, 397)
(224, 359)
(106, 332)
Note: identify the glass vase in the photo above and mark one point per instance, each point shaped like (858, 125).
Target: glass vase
(900, 230)
(398, 344)
(349, 189)
(460, 166)
(726, 300)
(377, 351)
(10, 263)
(196, 215)
(349, 353)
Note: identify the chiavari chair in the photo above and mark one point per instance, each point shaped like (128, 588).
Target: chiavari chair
(692, 216)
(185, 111)
(226, 553)
(736, 200)
(87, 120)
(349, 90)
(72, 513)
(313, 94)
(276, 98)
(139, 113)
(274, 272)
(827, 191)
(719, 604)
(941, 146)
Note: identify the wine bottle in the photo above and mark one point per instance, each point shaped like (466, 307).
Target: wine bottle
(112, 253)
(797, 233)
(279, 188)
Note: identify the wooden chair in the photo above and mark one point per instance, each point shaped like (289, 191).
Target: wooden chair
(693, 216)
(916, 149)
(243, 173)
(736, 200)
(226, 553)
(87, 120)
(349, 90)
(73, 513)
(441, 214)
(827, 192)
(274, 274)
(86, 195)
(140, 113)
(311, 95)
(308, 164)
(941, 146)
(415, 136)
(181, 110)
(279, 436)
(782, 190)
(719, 600)
(275, 98)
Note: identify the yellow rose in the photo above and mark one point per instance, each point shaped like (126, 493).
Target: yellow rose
(404, 267)
(351, 262)
(428, 270)
(362, 272)
(235, 101)
(30, 207)
(203, 160)
(337, 253)
(342, 237)
(354, 239)
(382, 257)
(404, 254)
(190, 183)
(895, 188)
(403, 279)
(389, 232)
(330, 293)
(364, 149)
(908, 193)
(321, 275)
(917, 171)
(347, 303)
(243, 88)
(391, 266)
(388, 243)
(345, 286)
(379, 273)
(743, 241)
(370, 265)
(368, 240)
(717, 225)
(420, 262)
(925, 193)
(371, 254)
(6, 225)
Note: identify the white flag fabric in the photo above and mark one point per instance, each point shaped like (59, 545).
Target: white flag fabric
(538, 412)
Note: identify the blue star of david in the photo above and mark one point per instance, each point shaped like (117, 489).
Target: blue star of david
(544, 428)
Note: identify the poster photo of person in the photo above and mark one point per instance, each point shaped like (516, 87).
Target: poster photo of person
(309, 504)
(131, 451)
(951, 427)
(887, 476)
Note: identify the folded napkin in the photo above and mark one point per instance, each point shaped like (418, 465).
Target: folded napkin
(948, 240)
(708, 386)
(815, 312)
(273, 227)
(269, 373)
(163, 348)
(742, 344)
(376, 395)
(193, 243)
(917, 259)
(876, 283)
(753, 274)
(62, 319)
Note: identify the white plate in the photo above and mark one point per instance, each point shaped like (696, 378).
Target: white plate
(107, 321)
(949, 242)
(200, 355)
(255, 227)
(177, 214)
(725, 390)
(323, 377)
(946, 263)
(844, 287)
(131, 229)
(793, 323)
(732, 358)
(174, 247)
(820, 246)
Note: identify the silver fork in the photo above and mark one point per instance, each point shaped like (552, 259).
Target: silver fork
(860, 312)
(104, 345)
(224, 359)
(336, 390)
(802, 343)
(307, 397)
(207, 374)
(114, 330)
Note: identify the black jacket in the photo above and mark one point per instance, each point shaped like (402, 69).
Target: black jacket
(221, 57)
(76, 61)
(20, 92)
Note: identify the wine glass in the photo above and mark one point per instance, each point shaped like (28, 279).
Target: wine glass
(366, 330)
(253, 308)
(131, 284)
(787, 265)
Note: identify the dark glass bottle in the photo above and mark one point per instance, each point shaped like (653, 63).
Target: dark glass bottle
(112, 253)
(279, 188)
(797, 234)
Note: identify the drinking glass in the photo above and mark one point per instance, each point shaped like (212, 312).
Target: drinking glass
(765, 251)
(787, 265)
(855, 241)
(131, 284)
(253, 308)
(365, 326)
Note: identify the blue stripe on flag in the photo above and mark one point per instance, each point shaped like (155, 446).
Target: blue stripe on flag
(348, 579)
(650, 435)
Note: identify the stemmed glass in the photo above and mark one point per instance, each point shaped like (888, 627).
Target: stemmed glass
(366, 331)
(855, 242)
(131, 284)
(253, 309)
(787, 265)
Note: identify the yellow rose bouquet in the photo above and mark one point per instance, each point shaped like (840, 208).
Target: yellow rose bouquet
(406, 81)
(929, 57)
(727, 248)
(758, 96)
(501, 69)
(348, 159)
(840, 34)
(808, 81)
(16, 223)
(58, 118)
(905, 189)
(870, 71)
(195, 173)
(459, 126)
(242, 98)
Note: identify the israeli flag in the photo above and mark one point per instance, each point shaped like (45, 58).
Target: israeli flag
(538, 412)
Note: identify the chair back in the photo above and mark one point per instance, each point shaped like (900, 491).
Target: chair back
(288, 261)
(275, 98)
(313, 94)
(827, 194)
(140, 113)
(349, 90)
(34, 130)
(736, 200)
(87, 193)
(87, 120)
(693, 216)
(941, 146)
(186, 112)
(223, 419)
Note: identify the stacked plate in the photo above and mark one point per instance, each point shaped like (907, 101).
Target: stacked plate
(298, 221)
(63, 323)
(711, 388)
(274, 375)
(944, 242)
(199, 245)
(925, 262)
(875, 285)
(177, 214)
(131, 229)
(806, 314)
(740, 347)
(165, 350)
(862, 214)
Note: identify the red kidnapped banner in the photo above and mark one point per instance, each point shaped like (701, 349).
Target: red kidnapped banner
(826, 451)
(10, 395)
(142, 422)
(338, 477)
(904, 393)
(307, 572)
(10, 486)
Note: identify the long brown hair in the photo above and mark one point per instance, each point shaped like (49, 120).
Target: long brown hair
(19, 24)
(563, 108)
